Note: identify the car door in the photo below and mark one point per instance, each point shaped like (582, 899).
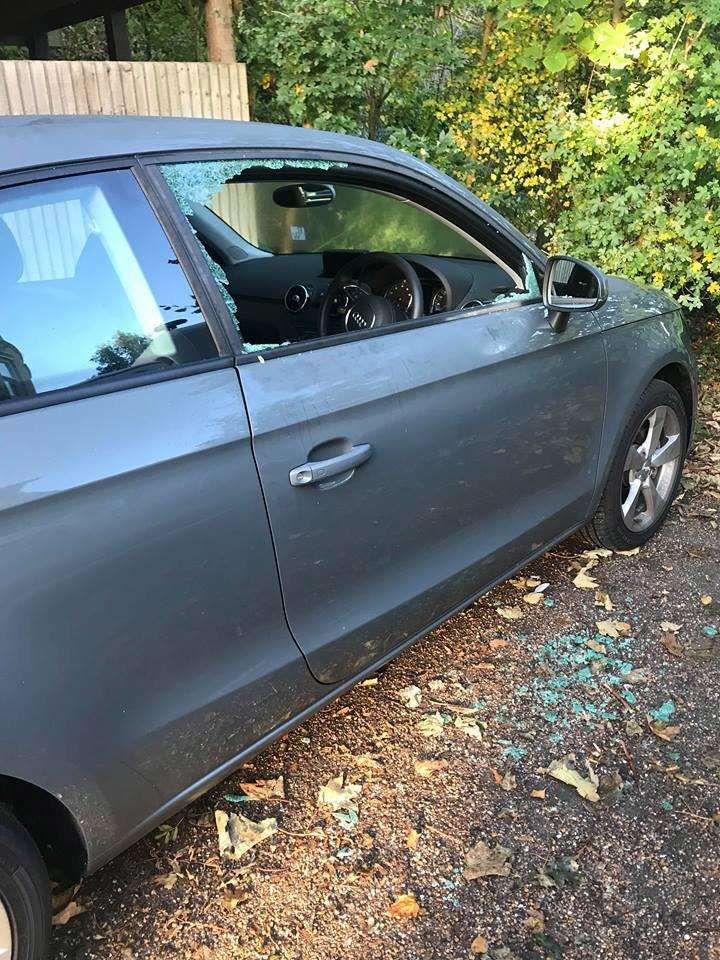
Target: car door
(445, 451)
(144, 641)
(483, 434)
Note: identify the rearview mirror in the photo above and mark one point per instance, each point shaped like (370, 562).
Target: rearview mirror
(571, 286)
(304, 195)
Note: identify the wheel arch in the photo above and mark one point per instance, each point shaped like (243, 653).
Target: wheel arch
(51, 825)
(673, 370)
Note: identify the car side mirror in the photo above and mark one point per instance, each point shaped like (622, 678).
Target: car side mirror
(571, 286)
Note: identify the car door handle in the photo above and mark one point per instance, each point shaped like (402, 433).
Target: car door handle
(315, 471)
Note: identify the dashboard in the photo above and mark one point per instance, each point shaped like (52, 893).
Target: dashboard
(279, 297)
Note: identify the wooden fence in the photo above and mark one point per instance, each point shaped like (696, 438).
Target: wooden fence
(117, 87)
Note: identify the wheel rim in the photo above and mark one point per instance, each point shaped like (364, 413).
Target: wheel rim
(6, 940)
(651, 468)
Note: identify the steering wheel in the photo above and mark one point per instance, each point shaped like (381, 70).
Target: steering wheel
(369, 310)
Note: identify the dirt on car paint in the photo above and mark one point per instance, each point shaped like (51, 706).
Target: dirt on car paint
(538, 778)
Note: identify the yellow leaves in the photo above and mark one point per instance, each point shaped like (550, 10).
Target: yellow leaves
(510, 613)
(566, 774)
(583, 581)
(602, 599)
(370, 65)
(431, 725)
(706, 600)
(714, 288)
(405, 907)
(701, 131)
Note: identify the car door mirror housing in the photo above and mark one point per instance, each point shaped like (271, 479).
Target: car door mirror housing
(571, 286)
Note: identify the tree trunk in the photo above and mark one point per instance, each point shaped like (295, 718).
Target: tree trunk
(219, 29)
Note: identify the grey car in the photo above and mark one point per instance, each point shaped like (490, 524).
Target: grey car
(273, 404)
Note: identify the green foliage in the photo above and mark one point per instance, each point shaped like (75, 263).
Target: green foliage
(595, 126)
(120, 353)
(371, 67)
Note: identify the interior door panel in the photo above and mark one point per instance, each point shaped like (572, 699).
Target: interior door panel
(484, 433)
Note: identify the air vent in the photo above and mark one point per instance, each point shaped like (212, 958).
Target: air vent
(296, 298)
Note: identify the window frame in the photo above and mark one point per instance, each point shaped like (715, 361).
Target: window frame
(372, 173)
(195, 279)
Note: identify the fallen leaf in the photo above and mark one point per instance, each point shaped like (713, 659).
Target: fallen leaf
(468, 726)
(237, 834)
(663, 730)
(405, 907)
(538, 794)
(338, 795)
(613, 628)
(411, 696)
(640, 675)
(508, 782)
(585, 582)
(561, 771)
(706, 600)
(412, 839)
(264, 789)
(671, 644)
(498, 643)
(436, 685)
(596, 646)
(479, 945)
(603, 600)
(367, 761)
(597, 552)
(369, 65)
(482, 861)
(629, 553)
(431, 725)
(370, 682)
(510, 613)
(533, 598)
(73, 909)
(166, 880)
(672, 627)
(428, 768)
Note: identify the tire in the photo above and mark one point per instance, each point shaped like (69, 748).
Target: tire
(620, 521)
(25, 910)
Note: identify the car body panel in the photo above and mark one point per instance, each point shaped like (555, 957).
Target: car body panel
(135, 696)
(143, 624)
(485, 433)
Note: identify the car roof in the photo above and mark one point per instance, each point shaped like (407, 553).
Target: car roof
(34, 141)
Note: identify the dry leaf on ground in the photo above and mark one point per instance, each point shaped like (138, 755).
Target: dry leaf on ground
(510, 613)
(431, 725)
(671, 644)
(411, 696)
(264, 789)
(613, 628)
(412, 839)
(561, 771)
(73, 909)
(406, 907)
(468, 726)
(482, 861)
(538, 794)
(665, 731)
(706, 600)
(338, 795)
(428, 768)
(479, 945)
(237, 834)
(533, 598)
(672, 627)
(603, 600)
(584, 581)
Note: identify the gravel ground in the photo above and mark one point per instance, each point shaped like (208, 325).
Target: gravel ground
(622, 862)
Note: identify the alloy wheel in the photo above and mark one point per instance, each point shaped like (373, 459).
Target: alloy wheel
(651, 468)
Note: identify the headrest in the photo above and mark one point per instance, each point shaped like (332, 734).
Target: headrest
(11, 261)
